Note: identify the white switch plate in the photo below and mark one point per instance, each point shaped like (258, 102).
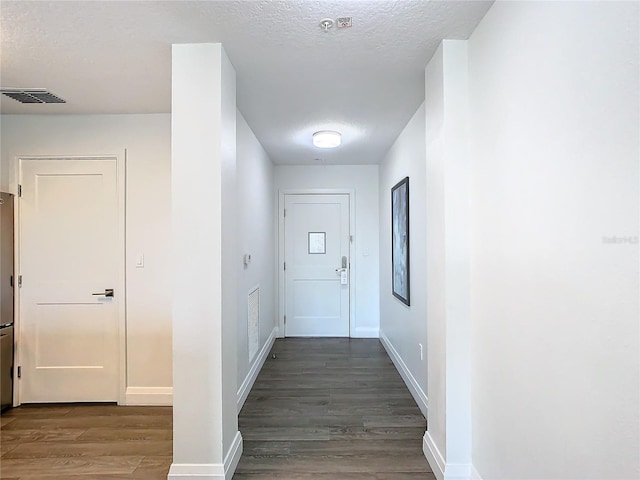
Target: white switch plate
(140, 260)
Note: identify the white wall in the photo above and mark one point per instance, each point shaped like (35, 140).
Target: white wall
(364, 180)
(256, 236)
(402, 328)
(206, 441)
(447, 442)
(554, 103)
(148, 204)
(226, 99)
(435, 245)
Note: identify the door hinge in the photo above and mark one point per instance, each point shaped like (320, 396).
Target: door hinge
(285, 266)
(19, 190)
(19, 372)
(285, 212)
(11, 281)
(19, 281)
(351, 238)
(285, 319)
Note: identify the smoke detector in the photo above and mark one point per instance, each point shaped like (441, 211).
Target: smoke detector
(344, 22)
(326, 24)
(32, 95)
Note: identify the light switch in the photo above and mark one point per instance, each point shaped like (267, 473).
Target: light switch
(140, 260)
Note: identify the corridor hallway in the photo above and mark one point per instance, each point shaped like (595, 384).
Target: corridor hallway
(322, 409)
(331, 408)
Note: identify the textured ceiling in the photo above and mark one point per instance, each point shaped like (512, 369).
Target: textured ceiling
(293, 78)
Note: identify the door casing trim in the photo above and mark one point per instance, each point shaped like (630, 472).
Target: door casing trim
(121, 163)
(351, 193)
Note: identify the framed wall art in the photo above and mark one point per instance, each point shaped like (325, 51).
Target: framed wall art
(400, 241)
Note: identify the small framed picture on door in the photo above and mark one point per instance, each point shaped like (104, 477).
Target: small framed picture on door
(400, 241)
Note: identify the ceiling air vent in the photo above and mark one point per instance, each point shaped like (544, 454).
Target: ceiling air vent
(32, 95)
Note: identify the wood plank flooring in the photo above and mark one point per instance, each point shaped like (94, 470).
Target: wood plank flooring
(331, 409)
(324, 409)
(73, 441)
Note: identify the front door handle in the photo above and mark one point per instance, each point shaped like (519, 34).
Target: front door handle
(108, 292)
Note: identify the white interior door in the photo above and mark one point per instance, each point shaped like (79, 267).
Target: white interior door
(69, 253)
(316, 244)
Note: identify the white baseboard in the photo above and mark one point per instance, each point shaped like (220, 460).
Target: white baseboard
(474, 474)
(147, 396)
(190, 471)
(363, 332)
(433, 456)
(416, 391)
(457, 471)
(443, 470)
(232, 457)
(220, 471)
(245, 388)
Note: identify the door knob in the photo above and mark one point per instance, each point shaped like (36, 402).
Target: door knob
(108, 292)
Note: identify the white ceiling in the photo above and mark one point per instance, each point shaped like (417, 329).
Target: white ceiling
(293, 78)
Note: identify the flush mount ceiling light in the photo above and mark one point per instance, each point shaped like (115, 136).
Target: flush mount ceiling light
(327, 139)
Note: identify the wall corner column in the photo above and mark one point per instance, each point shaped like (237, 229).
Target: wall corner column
(206, 440)
(447, 442)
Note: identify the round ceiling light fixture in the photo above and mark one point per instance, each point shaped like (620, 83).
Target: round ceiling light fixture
(327, 139)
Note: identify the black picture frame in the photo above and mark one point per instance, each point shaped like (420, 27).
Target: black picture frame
(400, 264)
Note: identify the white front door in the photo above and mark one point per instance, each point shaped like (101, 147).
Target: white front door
(68, 254)
(317, 269)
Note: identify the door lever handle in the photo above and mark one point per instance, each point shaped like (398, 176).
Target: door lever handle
(108, 292)
(339, 270)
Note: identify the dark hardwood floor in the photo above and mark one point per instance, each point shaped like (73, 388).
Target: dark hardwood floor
(96, 442)
(331, 409)
(324, 409)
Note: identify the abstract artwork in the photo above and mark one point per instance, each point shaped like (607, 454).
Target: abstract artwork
(400, 240)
